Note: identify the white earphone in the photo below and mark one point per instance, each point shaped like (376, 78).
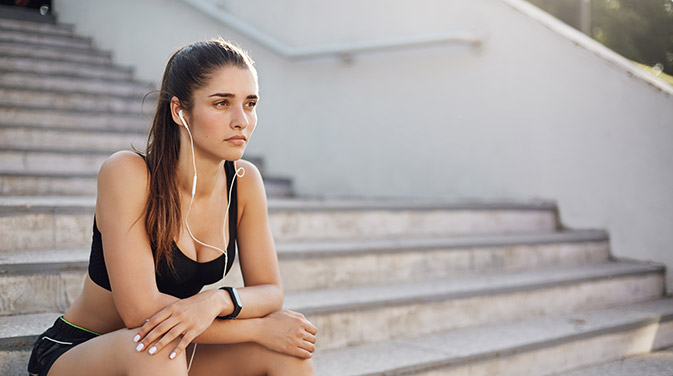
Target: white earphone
(240, 172)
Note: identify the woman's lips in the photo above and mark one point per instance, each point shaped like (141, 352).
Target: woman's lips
(236, 140)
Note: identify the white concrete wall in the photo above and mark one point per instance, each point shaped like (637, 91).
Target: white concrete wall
(530, 115)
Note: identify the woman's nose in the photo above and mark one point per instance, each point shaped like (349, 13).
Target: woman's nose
(240, 119)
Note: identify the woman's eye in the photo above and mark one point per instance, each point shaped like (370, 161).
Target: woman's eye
(222, 103)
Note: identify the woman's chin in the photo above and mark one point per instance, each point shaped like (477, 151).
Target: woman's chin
(234, 155)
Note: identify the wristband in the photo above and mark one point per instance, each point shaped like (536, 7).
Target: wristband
(234, 299)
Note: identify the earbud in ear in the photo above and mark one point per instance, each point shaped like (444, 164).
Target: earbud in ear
(183, 119)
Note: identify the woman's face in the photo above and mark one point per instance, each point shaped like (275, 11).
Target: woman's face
(223, 114)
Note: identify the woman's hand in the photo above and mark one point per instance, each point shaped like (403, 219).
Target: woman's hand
(287, 332)
(186, 318)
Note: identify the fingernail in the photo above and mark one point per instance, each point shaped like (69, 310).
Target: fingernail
(153, 350)
(136, 338)
(172, 355)
(140, 347)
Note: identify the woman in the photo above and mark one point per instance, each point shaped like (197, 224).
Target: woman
(162, 224)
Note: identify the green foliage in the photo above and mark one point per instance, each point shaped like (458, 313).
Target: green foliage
(640, 30)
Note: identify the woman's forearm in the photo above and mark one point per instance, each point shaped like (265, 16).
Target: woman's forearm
(257, 301)
(230, 331)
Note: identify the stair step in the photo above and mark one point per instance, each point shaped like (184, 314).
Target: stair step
(305, 220)
(65, 140)
(17, 334)
(27, 50)
(37, 117)
(65, 222)
(17, 184)
(122, 88)
(541, 346)
(51, 161)
(36, 27)
(63, 68)
(320, 265)
(74, 101)
(352, 316)
(659, 363)
(20, 331)
(58, 274)
(53, 184)
(44, 38)
(490, 311)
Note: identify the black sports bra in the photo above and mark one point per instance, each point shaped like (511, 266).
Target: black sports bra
(190, 276)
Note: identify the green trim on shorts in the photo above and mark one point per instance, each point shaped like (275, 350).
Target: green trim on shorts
(79, 327)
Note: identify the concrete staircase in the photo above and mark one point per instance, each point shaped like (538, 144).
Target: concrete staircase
(65, 107)
(395, 288)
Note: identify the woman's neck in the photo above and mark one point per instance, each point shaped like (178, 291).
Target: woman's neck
(209, 172)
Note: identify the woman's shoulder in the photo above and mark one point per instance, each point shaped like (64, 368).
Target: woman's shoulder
(250, 177)
(124, 171)
(250, 186)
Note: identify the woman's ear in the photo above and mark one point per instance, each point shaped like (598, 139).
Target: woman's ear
(176, 107)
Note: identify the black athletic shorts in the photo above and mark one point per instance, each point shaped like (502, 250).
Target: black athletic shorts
(54, 342)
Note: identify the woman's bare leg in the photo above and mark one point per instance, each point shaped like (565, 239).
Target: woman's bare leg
(245, 359)
(114, 354)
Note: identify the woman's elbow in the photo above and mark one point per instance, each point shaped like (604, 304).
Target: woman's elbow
(135, 315)
(133, 320)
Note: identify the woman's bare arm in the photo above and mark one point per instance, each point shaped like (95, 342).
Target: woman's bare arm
(263, 291)
(122, 195)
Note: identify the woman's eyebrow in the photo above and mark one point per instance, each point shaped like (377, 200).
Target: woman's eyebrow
(230, 95)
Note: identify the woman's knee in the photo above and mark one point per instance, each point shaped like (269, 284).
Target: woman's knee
(144, 363)
(279, 364)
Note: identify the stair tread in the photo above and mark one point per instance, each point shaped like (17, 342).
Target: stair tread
(31, 324)
(658, 363)
(329, 248)
(107, 67)
(299, 204)
(311, 248)
(41, 27)
(51, 93)
(42, 257)
(485, 342)
(18, 49)
(18, 331)
(38, 31)
(366, 297)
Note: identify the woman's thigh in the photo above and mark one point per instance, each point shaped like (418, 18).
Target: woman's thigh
(114, 354)
(245, 359)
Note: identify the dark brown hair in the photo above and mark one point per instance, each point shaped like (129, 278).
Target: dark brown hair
(187, 70)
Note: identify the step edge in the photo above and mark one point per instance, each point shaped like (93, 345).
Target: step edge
(70, 111)
(514, 350)
(135, 83)
(458, 242)
(104, 131)
(438, 297)
(72, 35)
(72, 64)
(87, 51)
(27, 91)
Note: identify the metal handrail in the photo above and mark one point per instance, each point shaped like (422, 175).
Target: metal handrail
(344, 50)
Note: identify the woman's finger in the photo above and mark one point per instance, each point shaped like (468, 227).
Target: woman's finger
(310, 328)
(308, 346)
(308, 337)
(187, 338)
(301, 353)
(156, 333)
(166, 339)
(150, 323)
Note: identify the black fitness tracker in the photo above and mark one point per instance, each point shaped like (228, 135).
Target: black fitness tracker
(237, 303)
